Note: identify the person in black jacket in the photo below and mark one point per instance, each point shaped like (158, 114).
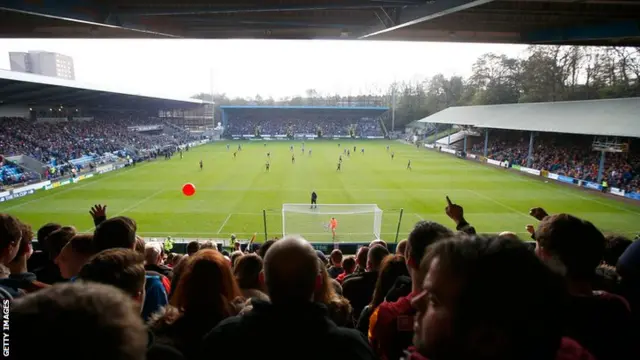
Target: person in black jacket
(303, 328)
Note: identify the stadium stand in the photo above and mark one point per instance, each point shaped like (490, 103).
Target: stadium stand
(68, 127)
(599, 151)
(309, 121)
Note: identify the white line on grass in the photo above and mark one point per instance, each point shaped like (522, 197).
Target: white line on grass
(71, 187)
(133, 206)
(603, 203)
(418, 216)
(224, 223)
(498, 202)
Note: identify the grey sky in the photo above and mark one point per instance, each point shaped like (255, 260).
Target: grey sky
(249, 67)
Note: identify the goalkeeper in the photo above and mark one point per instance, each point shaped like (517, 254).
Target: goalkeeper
(314, 200)
(333, 225)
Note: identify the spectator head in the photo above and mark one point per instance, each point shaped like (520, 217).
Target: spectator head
(402, 247)
(57, 240)
(26, 247)
(336, 258)
(10, 238)
(615, 246)
(378, 242)
(122, 268)
(236, 246)
(99, 319)
(152, 255)
(208, 245)
(576, 243)
(45, 230)
(629, 264)
(349, 264)
(361, 257)
(177, 258)
(247, 271)
(139, 245)
(193, 247)
(509, 235)
(323, 258)
(291, 271)
(262, 250)
(206, 287)
(376, 254)
(423, 234)
(235, 256)
(487, 298)
(117, 232)
(74, 255)
(392, 267)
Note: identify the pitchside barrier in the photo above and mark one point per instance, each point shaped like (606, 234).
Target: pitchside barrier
(536, 172)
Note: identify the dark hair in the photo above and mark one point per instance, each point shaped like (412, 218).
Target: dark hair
(424, 233)
(247, 271)
(376, 254)
(336, 256)
(100, 319)
(377, 242)
(117, 232)
(10, 230)
(349, 263)
(193, 247)
(45, 230)
(122, 268)
(361, 257)
(54, 243)
(503, 285)
(82, 244)
(262, 250)
(393, 266)
(615, 245)
(577, 243)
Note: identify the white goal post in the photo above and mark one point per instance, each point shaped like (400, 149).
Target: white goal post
(356, 222)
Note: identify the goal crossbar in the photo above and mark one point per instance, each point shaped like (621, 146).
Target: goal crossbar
(364, 221)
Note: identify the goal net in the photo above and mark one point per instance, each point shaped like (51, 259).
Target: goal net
(355, 222)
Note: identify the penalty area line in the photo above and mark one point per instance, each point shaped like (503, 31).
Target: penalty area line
(224, 223)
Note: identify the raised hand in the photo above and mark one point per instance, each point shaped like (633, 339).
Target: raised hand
(538, 213)
(454, 211)
(98, 213)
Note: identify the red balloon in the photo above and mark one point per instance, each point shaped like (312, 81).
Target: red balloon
(188, 189)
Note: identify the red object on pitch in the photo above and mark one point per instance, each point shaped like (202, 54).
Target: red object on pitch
(188, 189)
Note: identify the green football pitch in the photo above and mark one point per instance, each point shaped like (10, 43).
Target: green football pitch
(232, 193)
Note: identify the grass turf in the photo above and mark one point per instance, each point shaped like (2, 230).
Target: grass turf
(231, 193)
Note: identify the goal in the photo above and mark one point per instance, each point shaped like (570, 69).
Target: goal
(356, 222)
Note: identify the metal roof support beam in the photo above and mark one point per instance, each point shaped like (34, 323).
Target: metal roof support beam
(212, 10)
(412, 15)
(617, 30)
(80, 11)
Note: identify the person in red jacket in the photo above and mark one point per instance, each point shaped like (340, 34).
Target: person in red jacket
(490, 298)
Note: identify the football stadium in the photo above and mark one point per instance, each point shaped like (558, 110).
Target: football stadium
(489, 216)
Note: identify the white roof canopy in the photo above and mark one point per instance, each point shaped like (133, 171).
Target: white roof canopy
(609, 117)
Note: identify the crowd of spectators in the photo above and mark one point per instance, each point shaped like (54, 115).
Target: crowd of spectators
(302, 123)
(55, 144)
(446, 294)
(568, 155)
